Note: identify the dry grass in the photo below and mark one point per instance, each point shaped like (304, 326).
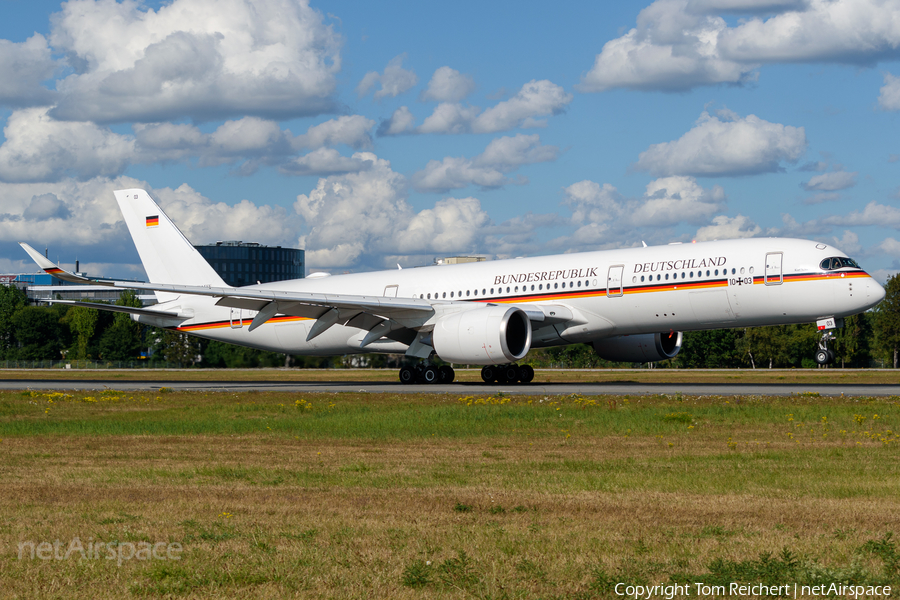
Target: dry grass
(631, 490)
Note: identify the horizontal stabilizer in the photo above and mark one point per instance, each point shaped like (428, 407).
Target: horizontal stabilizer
(132, 310)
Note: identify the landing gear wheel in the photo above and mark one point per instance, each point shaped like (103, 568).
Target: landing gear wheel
(526, 374)
(430, 374)
(407, 375)
(489, 374)
(824, 356)
(447, 374)
(510, 373)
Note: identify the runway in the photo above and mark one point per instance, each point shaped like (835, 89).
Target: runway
(465, 389)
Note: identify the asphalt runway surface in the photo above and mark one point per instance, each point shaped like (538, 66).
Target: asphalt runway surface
(536, 389)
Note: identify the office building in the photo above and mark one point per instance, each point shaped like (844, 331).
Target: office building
(240, 263)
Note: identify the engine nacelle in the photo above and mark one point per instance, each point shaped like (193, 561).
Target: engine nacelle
(493, 335)
(645, 347)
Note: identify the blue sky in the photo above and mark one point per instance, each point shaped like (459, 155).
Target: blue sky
(381, 133)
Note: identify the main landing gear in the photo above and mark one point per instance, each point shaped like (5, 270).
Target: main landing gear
(507, 374)
(824, 356)
(427, 374)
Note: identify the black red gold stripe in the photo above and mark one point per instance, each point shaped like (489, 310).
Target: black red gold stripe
(153, 221)
(244, 323)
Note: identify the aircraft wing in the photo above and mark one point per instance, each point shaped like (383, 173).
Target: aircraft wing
(409, 311)
(382, 315)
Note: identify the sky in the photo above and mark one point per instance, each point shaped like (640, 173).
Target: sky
(392, 133)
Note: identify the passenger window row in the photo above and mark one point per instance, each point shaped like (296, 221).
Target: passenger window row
(690, 274)
(508, 289)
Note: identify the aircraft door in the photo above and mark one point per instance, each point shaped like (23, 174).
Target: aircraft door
(237, 318)
(773, 268)
(390, 291)
(614, 281)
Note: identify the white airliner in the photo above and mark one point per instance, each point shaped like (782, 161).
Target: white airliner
(631, 304)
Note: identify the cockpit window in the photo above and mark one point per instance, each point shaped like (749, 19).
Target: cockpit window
(837, 262)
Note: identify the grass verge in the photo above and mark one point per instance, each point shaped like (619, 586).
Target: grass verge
(275, 495)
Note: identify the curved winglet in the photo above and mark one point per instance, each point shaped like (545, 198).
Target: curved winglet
(52, 269)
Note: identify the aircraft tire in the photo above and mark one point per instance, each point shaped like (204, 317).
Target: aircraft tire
(430, 374)
(510, 373)
(823, 357)
(526, 374)
(447, 374)
(489, 374)
(407, 375)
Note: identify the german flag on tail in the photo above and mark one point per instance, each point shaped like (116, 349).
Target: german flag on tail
(153, 221)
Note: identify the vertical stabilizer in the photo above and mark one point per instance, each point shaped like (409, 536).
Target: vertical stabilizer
(167, 255)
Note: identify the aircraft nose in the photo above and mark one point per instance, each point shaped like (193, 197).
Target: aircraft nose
(874, 291)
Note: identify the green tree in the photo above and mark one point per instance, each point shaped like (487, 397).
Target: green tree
(11, 300)
(178, 347)
(778, 345)
(851, 345)
(121, 340)
(222, 355)
(83, 322)
(710, 349)
(887, 319)
(40, 333)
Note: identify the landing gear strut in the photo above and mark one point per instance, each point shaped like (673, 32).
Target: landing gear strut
(507, 374)
(427, 374)
(824, 356)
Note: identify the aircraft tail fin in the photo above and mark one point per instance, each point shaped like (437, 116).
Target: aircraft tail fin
(167, 255)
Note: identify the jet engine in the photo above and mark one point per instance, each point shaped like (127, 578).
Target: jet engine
(493, 335)
(645, 347)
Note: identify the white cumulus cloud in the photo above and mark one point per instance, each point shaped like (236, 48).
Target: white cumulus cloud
(487, 170)
(326, 161)
(203, 59)
(889, 98)
(351, 130)
(402, 121)
(450, 118)
(40, 148)
(728, 146)
(23, 67)
(728, 228)
(363, 219)
(535, 100)
(394, 81)
(603, 216)
(680, 44)
(448, 85)
(830, 182)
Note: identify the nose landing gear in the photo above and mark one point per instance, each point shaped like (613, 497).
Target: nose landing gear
(824, 356)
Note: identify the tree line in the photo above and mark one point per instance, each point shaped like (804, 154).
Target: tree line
(61, 331)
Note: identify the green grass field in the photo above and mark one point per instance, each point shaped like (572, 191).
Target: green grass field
(276, 495)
